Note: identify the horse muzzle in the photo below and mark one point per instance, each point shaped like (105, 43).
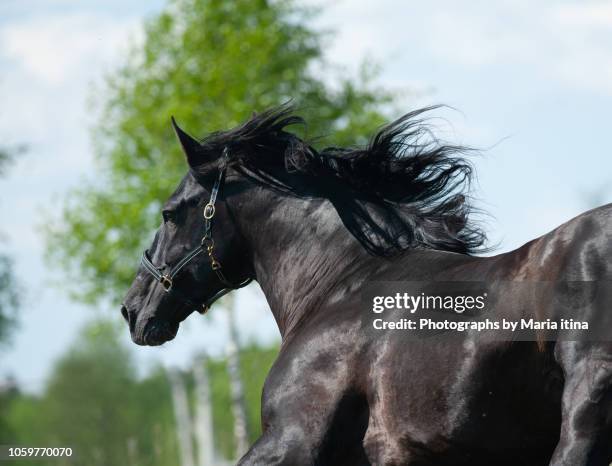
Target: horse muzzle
(148, 330)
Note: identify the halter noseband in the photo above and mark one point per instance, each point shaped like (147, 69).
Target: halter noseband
(207, 245)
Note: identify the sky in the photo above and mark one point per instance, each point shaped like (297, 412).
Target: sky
(529, 83)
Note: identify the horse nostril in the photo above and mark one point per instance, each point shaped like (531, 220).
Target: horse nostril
(124, 313)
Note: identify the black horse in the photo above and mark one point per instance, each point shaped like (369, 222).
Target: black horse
(314, 228)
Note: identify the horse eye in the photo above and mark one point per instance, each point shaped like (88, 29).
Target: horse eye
(168, 215)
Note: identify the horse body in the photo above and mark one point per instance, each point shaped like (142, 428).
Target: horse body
(412, 403)
(340, 393)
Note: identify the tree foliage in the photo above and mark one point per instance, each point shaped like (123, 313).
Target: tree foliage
(95, 403)
(210, 63)
(9, 296)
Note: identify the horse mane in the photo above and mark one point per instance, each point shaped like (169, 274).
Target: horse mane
(404, 189)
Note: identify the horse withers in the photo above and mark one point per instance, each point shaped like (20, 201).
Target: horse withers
(314, 229)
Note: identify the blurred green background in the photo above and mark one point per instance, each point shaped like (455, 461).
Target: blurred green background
(94, 403)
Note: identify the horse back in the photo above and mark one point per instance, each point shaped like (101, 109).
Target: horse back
(578, 250)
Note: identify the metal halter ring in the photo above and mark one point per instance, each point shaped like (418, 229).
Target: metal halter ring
(214, 263)
(209, 211)
(166, 282)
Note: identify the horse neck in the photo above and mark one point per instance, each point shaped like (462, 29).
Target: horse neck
(301, 251)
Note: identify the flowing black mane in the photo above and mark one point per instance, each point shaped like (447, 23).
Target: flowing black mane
(404, 189)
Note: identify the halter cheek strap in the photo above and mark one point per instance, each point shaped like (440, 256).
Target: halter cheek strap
(206, 245)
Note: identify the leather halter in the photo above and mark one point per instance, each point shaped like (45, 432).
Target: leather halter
(207, 244)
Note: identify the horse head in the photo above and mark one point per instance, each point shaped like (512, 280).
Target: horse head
(197, 254)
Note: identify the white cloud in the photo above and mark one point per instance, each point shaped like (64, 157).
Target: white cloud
(564, 43)
(585, 14)
(567, 43)
(51, 63)
(55, 49)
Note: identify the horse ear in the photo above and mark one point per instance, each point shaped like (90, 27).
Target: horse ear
(191, 147)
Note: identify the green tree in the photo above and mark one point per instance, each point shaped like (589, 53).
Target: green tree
(9, 297)
(210, 63)
(89, 398)
(94, 403)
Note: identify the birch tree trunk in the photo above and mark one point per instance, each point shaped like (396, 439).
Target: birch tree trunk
(181, 415)
(203, 414)
(241, 436)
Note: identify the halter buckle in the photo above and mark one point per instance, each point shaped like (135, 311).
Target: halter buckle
(166, 282)
(209, 211)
